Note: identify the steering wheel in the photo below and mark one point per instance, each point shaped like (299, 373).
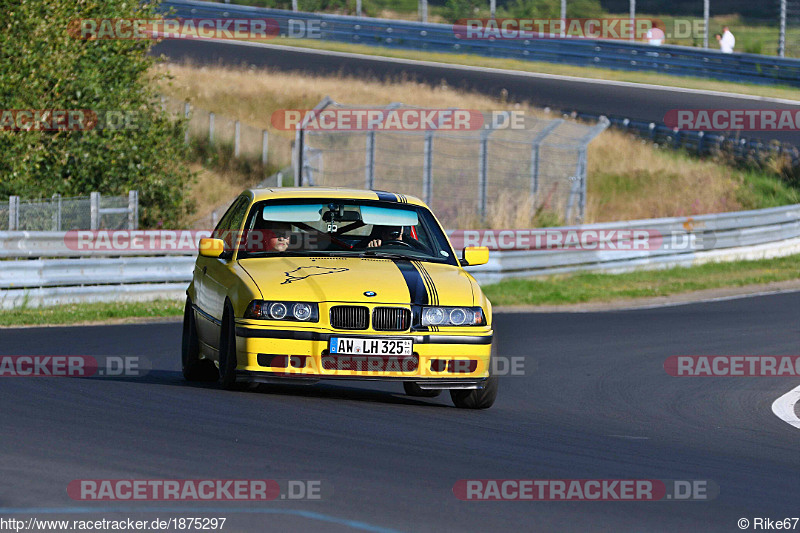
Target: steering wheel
(396, 241)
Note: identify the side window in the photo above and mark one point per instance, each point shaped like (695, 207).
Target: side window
(231, 222)
(225, 222)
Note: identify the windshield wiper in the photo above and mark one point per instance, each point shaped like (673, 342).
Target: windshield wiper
(384, 255)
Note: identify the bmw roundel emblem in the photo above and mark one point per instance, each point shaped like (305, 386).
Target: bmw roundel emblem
(370, 293)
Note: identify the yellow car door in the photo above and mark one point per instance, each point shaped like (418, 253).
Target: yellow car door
(213, 275)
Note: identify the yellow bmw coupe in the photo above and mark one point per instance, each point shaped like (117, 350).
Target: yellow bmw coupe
(298, 285)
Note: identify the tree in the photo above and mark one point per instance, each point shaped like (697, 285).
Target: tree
(46, 67)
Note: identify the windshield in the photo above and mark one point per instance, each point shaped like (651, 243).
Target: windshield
(336, 227)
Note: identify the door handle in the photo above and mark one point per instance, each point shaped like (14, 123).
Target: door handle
(204, 270)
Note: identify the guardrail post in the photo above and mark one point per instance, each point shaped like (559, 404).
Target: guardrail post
(211, 128)
(427, 168)
(423, 11)
(57, 212)
(369, 166)
(237, 133)
(94, 209)
(13, 213)
(294, 6)
(652, 128)
(700, 136)
(358, 8)
(264, 147)
(133, 210)
(186, 109)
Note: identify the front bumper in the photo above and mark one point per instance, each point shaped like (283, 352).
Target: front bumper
(440, 360)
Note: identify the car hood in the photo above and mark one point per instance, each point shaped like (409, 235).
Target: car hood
(347, 279)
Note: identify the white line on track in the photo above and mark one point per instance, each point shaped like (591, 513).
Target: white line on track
(519, 73)
(783, 407)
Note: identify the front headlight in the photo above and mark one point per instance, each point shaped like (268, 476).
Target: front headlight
(453, 316)
(301, 311)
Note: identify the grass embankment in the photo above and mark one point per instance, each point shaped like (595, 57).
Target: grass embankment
(580, 288)
(628, 178)
(96, 312)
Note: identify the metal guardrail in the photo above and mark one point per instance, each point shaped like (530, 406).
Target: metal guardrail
(620, 55)
(718, 237)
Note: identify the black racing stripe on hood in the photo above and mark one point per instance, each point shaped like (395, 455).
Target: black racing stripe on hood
(433, 294)
(416, 286)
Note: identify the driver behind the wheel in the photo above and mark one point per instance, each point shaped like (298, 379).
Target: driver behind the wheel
(386, 233)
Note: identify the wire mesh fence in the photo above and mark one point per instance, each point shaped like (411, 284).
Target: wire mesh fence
(70, 213)
(506, 174)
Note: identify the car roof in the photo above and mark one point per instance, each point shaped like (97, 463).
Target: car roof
(333, 192)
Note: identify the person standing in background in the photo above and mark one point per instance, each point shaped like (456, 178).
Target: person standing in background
(727, 41)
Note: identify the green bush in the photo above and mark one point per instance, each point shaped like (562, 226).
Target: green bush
(46, 67)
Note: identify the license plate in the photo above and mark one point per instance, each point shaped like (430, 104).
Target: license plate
(351, 346)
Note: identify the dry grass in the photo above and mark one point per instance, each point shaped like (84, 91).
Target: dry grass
(627, 177)
(631, 179)
(210, 191)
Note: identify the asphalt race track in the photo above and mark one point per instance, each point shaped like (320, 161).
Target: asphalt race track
(636, 102)
(594, 403)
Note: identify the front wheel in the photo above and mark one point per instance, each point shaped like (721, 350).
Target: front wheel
(476, 398)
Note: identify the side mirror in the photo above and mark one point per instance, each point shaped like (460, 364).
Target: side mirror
(474, 255)
(211, 247)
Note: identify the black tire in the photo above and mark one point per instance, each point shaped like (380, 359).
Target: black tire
(194, 368)
(412, 389)
(227, 350)
(477, 398)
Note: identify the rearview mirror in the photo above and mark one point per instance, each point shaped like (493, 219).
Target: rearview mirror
(211, 247)
(474, 255)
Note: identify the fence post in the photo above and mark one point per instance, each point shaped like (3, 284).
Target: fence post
(297, 158)
(535, 149)
(237, 134)
(13, 213)
(211, 128)
(369, 167)
(57, 213)
(94, 202)
(186, 109)
(264, 147)
(133, 209)
(483, 171)
(427, 168)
